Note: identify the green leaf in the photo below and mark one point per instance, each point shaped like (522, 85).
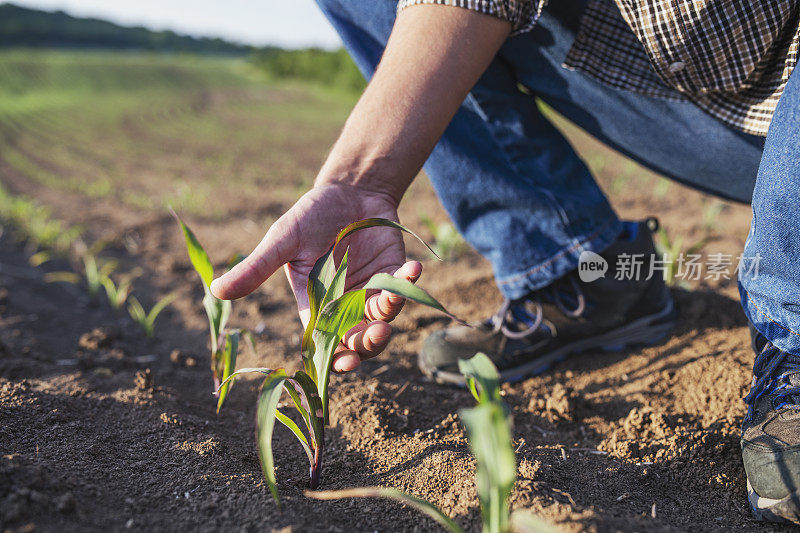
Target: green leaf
(310, 404)
(265, 371)
(267, 408)
(406, 289)
(318, 281)
(424, 506)
(111, 291)
(91, 273)
(147, 320)
(62, 277)
(480, 369)
(373, 222)
(336, 287)
(229, 365)
(335, 319)
(289, 423)
(197, 255)
(218, 312)
(489, 431)
(107, 268)
(334, 290)
(136, 310)
(41, 257)
(158, 307)
(322, 274)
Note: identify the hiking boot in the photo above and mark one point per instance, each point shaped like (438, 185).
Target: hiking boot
(771, 434)
(525, 337)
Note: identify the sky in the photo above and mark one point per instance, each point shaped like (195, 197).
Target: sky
(287, 23)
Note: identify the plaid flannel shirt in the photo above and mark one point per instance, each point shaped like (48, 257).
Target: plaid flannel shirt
(730, 57)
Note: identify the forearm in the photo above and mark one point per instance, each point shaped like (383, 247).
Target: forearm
(433, 58)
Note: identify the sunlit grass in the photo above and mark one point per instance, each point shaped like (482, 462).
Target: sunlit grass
(153, 131)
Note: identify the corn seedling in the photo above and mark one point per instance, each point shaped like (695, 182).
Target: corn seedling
(147, 320)
(623, 179)
(333, 313)
(35, 223)
(447, 242)
(224, 346)
(94, 271)
(711, 213)
(488, 426)
(672, 255)
(118, 294)
(662, 187)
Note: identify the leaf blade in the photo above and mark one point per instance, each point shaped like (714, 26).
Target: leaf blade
(294, 428)
(334, 288)
(267, 407)
(489, 433)
(320, 277)
(422, 505)
(406, 289)
(480, 369)
(229, 355)
(307, 390)
(249, 370)
(197, 255)
(160, 306)
(218, 311)
(375, 222)
(336, 319)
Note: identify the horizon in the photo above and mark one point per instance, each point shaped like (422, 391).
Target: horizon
(299, 25)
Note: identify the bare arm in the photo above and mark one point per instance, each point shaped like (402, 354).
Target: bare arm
(433, 58)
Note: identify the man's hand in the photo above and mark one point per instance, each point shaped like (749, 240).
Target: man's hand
(433, 58)
(305, 233)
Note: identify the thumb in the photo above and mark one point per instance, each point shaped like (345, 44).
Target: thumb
(279, 246)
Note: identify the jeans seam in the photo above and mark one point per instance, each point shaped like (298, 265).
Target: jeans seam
(577, 244)
(750, 300)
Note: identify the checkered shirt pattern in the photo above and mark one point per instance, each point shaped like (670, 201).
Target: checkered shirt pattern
(732, 58)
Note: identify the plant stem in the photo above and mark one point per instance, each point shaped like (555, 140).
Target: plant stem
(316, 468)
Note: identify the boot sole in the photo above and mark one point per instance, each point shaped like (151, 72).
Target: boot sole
(642, 331)
(785, 510)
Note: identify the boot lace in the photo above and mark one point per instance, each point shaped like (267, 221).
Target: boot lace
(772, 376)
(514, 312)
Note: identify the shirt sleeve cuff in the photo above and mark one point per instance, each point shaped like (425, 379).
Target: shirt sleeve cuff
(522, 14)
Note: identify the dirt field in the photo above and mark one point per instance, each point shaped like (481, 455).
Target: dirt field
(101, 429)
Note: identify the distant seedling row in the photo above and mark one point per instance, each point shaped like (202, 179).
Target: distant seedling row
(48, 239)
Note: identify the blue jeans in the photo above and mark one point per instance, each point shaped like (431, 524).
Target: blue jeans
(769, 280)
(512, 184)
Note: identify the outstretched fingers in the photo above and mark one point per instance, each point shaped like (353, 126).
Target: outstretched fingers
(279, 246)
(364, 341)
(371, 336)
(386, 305)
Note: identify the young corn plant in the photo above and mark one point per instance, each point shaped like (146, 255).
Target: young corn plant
(447, 242)
(118, 293)
(224, 344)
(94, 271)
(333, 313)
(489, 431)
(672, 253)
(147, 320)
(711, 213)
